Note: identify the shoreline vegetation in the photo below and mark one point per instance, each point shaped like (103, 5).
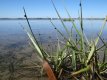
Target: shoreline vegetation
(65, 19)
(77, 59)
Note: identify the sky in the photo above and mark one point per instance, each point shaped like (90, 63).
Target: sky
(44, 8)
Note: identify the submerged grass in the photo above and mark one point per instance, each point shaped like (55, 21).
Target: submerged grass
(78, 58)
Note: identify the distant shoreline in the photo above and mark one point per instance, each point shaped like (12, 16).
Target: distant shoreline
(50, 18)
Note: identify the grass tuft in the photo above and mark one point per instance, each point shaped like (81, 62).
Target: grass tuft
(78, 58)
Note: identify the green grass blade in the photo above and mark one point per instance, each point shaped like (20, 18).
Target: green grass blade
(72, 21)
(81, 71)
(33, 39)
(74, 60)
(96, 41)
(34, 43)
(81, 23)
(60, 18)
(72, 45)
(101, 31)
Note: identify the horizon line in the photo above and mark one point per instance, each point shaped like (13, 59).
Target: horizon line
(40, 18)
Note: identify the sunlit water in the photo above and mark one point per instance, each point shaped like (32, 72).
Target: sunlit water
(12, 31)
(13, 36)
(13, 40)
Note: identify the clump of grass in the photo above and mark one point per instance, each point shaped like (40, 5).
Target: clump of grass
(78, 59)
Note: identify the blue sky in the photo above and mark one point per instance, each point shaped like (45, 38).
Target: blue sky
(44, 8)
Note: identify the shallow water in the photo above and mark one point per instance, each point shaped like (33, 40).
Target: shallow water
(14, 43)
(11, 30)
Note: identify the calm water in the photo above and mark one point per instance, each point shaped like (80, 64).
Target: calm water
(14, 42)
(13, 36)
(11, 30)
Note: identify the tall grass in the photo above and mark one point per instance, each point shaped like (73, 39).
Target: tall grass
(78, 59)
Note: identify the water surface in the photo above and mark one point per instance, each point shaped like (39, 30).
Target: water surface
(15, 50)
(11, 30)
